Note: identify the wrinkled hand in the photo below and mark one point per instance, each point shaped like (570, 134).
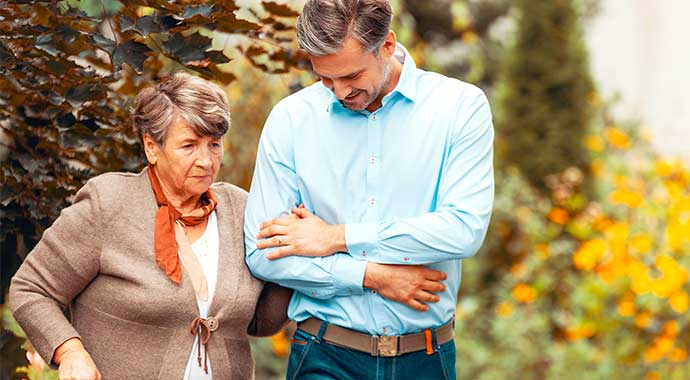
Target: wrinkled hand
(301, 234)
(74, 362)
(412, 285)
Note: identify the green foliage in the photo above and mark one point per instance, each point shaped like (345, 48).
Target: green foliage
(69, 71)
(544, 91)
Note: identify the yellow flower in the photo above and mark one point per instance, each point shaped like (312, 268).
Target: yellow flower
(524, 293)
(642, 243)
(632, 199)
(594, 143)
(679, 301)
(505, 309)
(280, 344)
(617, 138)
(663, 168)
(558, 215)
(589, 254)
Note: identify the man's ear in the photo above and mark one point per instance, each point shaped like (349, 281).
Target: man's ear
(389, 45)
(151, 149)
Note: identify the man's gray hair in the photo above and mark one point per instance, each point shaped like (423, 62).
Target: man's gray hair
(324, 25)
(200, 103)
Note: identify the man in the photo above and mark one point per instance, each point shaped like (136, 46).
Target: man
(393, 167)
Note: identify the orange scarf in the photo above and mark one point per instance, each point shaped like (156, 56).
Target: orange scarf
(169, 236)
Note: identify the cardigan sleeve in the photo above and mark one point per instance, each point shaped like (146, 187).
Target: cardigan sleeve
(270, 314)
(61, 265)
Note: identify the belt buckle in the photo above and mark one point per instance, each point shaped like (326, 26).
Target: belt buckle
(387, 346)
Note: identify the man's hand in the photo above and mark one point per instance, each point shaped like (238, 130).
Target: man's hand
(301, 234)
(74, 362)
(412, 285)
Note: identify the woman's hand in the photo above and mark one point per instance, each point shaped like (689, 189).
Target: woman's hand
(74, 362)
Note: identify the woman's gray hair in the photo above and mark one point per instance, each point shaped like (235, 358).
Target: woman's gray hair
(323, 25)
(198, 102)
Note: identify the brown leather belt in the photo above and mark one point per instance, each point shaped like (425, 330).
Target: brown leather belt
(378, 345)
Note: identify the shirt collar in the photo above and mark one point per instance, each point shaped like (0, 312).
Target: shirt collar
(407, 85)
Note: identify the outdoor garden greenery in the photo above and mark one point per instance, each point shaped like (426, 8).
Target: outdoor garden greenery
(584, 273)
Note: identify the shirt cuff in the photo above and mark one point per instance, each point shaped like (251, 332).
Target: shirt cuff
(361, 239)
(348, 277)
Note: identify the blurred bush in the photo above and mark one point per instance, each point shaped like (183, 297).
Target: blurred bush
(542, 104)
(572, 287)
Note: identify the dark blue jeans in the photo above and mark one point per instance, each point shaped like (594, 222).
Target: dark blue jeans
(312, 358)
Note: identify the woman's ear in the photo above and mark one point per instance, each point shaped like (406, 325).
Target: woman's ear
(151, 149)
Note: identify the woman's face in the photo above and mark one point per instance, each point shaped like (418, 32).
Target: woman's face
(186, 164)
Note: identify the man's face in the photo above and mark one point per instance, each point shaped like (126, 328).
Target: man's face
(357, 77)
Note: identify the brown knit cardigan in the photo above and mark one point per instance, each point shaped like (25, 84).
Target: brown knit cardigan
(98, 259)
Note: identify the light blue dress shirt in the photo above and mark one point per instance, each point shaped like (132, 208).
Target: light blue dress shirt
(412, 182)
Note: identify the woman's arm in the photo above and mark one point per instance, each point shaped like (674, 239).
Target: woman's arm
(63, 263)
(270, 314)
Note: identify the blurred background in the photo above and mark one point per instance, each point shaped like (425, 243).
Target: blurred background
(584, 273)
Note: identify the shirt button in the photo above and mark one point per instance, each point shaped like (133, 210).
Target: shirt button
(364, 253)
(374, 117)
(372, 202)
(372, 159)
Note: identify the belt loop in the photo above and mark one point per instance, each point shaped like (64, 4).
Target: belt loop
(322, 330)
(429, 338)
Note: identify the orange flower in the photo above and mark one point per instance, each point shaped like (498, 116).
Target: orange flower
(617, 138)
(670, 329)
(643, 319)
(596, 168)
(542, 251)
(626, 308)
(558, 215)
(524, 293)
(585, 330)
(652, 376)
(280, 344)
(678, 355)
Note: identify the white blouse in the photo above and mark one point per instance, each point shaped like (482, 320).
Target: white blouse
(206, 251)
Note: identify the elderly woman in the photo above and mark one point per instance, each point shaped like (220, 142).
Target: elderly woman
(152, 264)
